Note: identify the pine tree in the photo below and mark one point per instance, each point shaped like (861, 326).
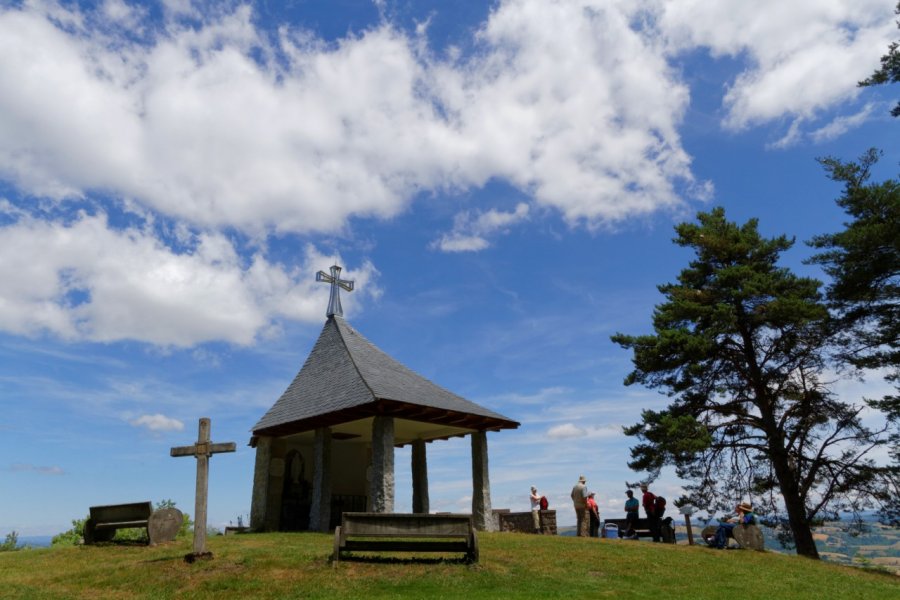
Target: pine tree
(739, 345)
(864, 263)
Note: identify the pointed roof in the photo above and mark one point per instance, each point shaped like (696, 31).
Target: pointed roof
(347, 378)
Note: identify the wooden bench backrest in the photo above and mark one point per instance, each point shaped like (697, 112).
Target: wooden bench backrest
(121, 513)
(641, 523)
(405, 525)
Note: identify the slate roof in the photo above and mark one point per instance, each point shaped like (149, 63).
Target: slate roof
(346, 378)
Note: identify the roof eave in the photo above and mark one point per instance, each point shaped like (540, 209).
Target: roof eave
(392, 408)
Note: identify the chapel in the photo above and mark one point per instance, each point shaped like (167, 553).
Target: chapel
(327, 444)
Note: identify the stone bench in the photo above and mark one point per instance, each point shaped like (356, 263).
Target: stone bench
(386, 532)
(746, 536)
(161, 525)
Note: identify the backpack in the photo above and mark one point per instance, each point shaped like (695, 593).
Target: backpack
(544, 503)
(667, 532)
(659, 504)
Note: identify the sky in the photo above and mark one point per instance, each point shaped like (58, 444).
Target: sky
(500, 179)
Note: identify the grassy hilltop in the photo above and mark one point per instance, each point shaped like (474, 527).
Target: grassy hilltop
(281, 565)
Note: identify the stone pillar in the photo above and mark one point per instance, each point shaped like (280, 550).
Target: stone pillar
(320, 509)
(419, 478)
(381, 486)
(481, 485)
(259, 499)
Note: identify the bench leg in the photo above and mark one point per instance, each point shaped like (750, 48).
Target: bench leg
(336, 553)
(472, 554)
(88, 532)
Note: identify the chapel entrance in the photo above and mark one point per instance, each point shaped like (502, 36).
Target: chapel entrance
(296, 494)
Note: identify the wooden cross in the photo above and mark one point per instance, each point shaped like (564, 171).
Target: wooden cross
(334, 301)
(202, 450)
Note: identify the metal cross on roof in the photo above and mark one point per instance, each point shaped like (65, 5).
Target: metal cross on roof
(334, 302)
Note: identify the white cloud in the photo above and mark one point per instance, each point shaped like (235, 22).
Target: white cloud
(567, 103)
(23, 467)
(570, 430)
(803, 56)
(834, 129)
(123, 14)
(470, 231)
(542, 397)
(840, 125)
(572, 103)
(566, 431)
(158, 422)
(791, 137)
(86, 281)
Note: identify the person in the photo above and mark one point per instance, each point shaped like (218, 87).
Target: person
(744, 516)
(536, 509)
(593, 515)
(579, 500)
(632, 506)
(648, 500)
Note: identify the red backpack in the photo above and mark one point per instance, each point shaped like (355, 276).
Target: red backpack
(544, 503)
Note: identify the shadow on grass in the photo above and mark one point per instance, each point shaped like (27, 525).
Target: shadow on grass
(126, 543)
(397, 560)
(163, 559)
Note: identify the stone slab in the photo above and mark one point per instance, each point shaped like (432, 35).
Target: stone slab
(163, 525)
(749, 536)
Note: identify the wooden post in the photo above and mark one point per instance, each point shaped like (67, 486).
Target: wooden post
(202, 451)
(687, 524)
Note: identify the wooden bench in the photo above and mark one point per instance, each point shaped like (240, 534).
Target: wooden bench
(642, 527)
(746, 536)
(161, 525)
(386, 532)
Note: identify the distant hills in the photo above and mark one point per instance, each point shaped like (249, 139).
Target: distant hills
(35, 541)
(879, 546)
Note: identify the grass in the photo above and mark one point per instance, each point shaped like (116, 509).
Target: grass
(283, 565)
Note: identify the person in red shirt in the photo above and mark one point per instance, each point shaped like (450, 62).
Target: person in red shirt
(648, 501)
(594, 514)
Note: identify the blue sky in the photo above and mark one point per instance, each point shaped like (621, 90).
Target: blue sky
(501, 180)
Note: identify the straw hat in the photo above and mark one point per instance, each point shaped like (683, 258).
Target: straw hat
(581, 479)
(745, 507)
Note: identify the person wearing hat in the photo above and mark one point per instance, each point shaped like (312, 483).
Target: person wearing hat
(593, 516)
(535, 509)
(744, 516)
(632, 506)
(579, 500)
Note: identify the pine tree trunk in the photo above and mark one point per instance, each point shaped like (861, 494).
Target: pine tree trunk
(803, 537)
(794, 505)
